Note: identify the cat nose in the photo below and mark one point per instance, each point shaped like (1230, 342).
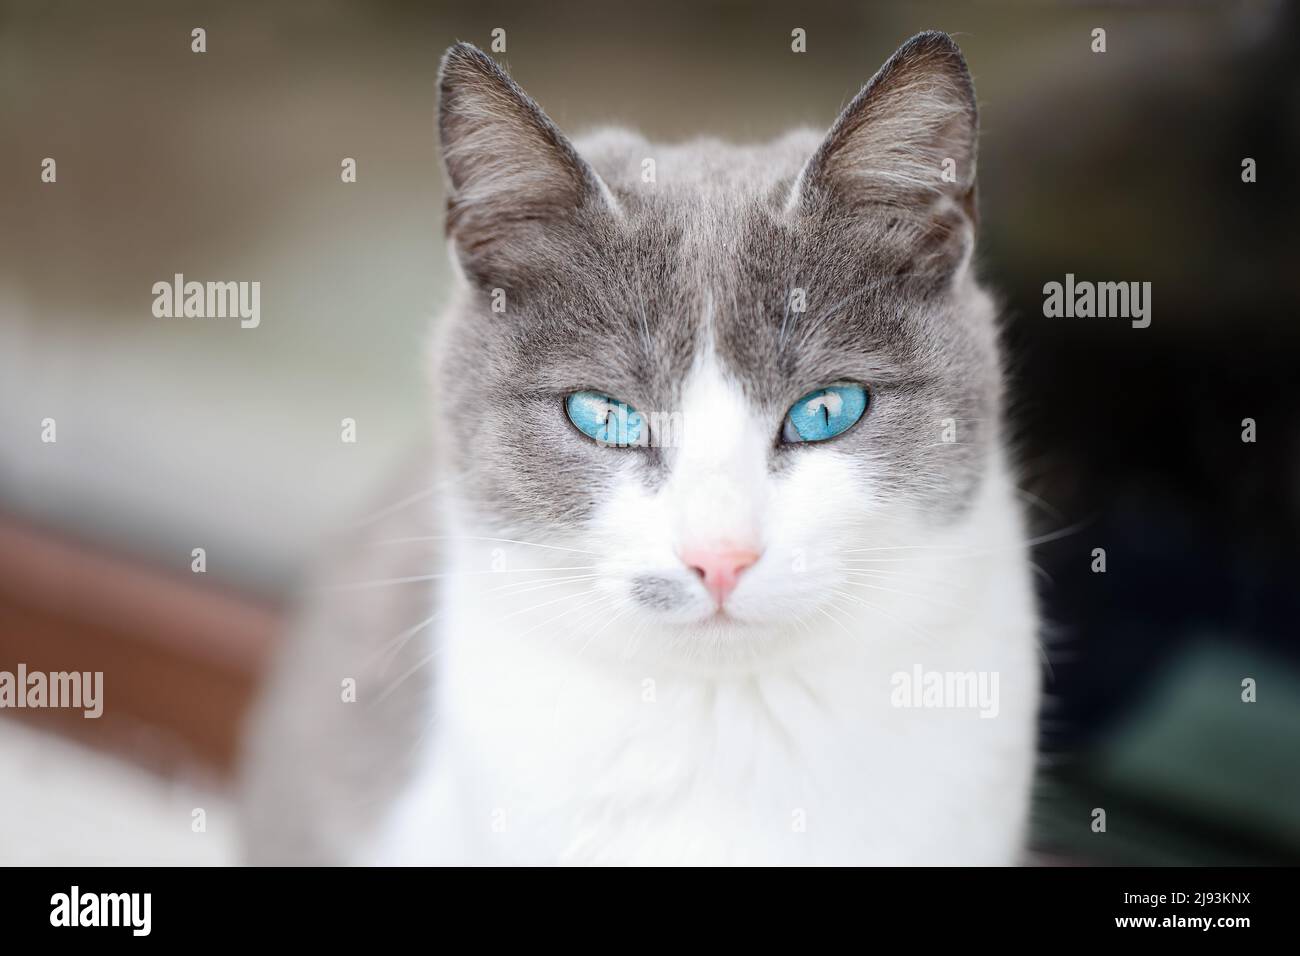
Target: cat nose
(719, 568)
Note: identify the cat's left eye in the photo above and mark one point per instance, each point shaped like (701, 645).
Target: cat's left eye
(825, 413)
(607, 420)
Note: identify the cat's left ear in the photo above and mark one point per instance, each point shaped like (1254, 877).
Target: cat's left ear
(515, 183)
(901, 158)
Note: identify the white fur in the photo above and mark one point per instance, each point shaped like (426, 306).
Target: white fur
(571, 725)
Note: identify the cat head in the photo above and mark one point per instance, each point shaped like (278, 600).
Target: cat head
(713, 369)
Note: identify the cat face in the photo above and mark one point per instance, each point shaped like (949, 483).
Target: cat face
(716, 368)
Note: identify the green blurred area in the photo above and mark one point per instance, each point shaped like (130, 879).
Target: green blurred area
(1195, 775)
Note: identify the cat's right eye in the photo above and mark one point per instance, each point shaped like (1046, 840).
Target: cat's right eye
(604, 419)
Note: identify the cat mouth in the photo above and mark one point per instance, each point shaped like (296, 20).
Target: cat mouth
(717, 619)
(721, 617)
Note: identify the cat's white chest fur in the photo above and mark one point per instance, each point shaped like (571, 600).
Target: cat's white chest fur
(540, 751)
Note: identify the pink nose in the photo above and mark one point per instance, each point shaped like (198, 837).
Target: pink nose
(719, 568)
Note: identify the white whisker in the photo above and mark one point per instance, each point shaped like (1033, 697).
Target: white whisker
(456, 537)
(927, 637)
(406, 674)
(552, 620)
(398, 506)
(386, 582)
(919, 597)
(542, 604)
(835, 620)
(909, 547)
(523, 587)
(395, 644)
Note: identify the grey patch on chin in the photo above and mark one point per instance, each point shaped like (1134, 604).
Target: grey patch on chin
(662, 594)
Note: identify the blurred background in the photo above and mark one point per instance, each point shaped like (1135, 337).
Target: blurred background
(178, 434)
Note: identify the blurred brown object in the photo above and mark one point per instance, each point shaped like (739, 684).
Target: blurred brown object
(180, 661)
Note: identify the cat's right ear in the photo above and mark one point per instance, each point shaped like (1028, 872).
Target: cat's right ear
(514, 181)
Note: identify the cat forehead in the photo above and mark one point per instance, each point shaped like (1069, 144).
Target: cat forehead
(775, 310)
(704, 170)
(704, 255)
(710, 219)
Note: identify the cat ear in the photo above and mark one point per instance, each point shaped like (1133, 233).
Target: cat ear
(512, 176)
(902, 156)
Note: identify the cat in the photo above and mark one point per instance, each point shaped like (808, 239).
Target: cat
(720, 475)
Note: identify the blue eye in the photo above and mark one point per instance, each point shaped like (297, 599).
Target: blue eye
(824, 413)
(605, 419)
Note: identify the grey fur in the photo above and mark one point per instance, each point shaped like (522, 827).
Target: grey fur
(658, 593)
(317, 772)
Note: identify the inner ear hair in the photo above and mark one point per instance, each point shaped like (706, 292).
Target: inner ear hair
(512, 176)
(904, 151)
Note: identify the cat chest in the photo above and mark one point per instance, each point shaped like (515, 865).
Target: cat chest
(555, 764)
